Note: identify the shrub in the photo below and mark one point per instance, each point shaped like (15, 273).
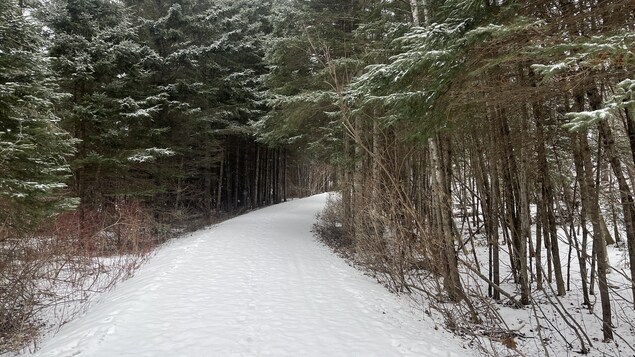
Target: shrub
(66, 261)
(329, 228)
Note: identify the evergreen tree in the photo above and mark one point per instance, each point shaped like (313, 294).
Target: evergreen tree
(33, 149)
(209, 82)
(312, 55)
(112, 104)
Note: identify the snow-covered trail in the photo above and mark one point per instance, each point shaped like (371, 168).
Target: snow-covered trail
(255, 285)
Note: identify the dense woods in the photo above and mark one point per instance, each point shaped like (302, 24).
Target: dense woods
(448, 127)
(122, 123)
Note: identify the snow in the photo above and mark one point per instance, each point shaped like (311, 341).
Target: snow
(585, 119)
(255, 285)
(558, 336)
(150, 154)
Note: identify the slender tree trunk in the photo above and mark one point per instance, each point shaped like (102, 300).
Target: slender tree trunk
(347, 189)
(443, 206)
(256, 191)
(598, 241)
(591, 205)
(538, 251)
(515, 211)
(285, 165)
(494, 213)
(220, 183)
(414, 8)
(547, 195)
(491, 229)
(626, 196)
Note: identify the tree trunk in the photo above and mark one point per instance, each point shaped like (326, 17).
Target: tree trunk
(589, 195)
(626, 196)
(547, 196)
(443, 206)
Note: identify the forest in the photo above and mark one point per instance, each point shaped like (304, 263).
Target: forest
(483, 151)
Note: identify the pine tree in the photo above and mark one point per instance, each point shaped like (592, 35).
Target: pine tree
(112, 104)
(33, 149)
(209, 82)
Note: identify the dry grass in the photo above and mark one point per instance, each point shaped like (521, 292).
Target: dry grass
(46, 277)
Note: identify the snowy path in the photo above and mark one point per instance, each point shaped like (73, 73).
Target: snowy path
(256, 285)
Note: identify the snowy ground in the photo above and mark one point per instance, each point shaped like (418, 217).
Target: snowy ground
(557, 334)
(256, 285)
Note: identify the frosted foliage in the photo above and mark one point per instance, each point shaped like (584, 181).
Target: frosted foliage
(585, 119)
(624, 97)
(33, 149)
(150, 155)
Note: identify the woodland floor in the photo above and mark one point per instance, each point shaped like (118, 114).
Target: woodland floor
(255, 285)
